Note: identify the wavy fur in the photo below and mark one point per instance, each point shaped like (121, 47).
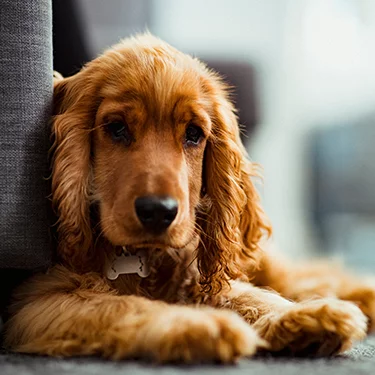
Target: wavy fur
(208, 255)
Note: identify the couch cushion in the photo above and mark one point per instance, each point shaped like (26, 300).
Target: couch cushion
(25, 98)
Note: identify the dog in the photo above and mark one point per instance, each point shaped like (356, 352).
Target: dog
(160, 229)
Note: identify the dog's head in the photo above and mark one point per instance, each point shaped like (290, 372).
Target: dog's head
(148, 134)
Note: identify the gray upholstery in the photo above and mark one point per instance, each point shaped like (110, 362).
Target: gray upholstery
(25, 101)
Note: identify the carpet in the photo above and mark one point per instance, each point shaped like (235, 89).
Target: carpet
(360, 360)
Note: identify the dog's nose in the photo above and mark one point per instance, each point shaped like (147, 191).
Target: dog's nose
(156, 213)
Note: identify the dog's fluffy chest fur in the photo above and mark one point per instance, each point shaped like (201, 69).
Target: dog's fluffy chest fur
(173, 278)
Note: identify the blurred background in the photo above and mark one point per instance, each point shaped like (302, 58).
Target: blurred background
(304, 72)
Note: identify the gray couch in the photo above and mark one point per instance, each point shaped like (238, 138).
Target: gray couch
(25, 101)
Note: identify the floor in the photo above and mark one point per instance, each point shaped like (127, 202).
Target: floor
(360, 360)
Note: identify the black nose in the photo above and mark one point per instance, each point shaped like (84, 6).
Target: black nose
(156, 213)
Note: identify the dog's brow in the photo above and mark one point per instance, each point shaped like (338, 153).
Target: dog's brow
(187, 108)
(121, 95)
(130, 95)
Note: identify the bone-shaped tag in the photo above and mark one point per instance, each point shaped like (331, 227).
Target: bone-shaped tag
(127, 264)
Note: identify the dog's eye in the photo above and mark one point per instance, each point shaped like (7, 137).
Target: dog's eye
(120, 132)
(193, 135)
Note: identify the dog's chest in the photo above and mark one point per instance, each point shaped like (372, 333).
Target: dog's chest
(171, 281)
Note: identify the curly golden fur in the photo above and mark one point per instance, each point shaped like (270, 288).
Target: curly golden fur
(208, 296)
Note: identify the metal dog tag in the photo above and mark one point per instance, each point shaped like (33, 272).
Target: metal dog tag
(128, 264)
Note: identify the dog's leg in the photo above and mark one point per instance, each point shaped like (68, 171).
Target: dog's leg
(312, 328)
(301, 282)
(68, 315)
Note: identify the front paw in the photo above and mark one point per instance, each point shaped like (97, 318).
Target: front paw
(364, 297)
(315, 328)
(200, 335)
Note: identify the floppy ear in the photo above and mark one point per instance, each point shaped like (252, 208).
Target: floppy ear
(71, 168)
(233, 221)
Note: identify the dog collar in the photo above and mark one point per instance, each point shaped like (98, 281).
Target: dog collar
(126, 263)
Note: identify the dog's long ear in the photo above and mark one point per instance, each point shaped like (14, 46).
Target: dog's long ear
(72, 123)
(233, 221)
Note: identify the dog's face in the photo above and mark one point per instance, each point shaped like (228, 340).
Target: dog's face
(148, 148)
(148, 134)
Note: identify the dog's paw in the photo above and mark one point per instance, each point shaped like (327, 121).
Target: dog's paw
(364, 297)
(315, 328)
(200, 335)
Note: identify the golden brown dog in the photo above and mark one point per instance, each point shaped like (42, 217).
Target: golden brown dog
(149, 170)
